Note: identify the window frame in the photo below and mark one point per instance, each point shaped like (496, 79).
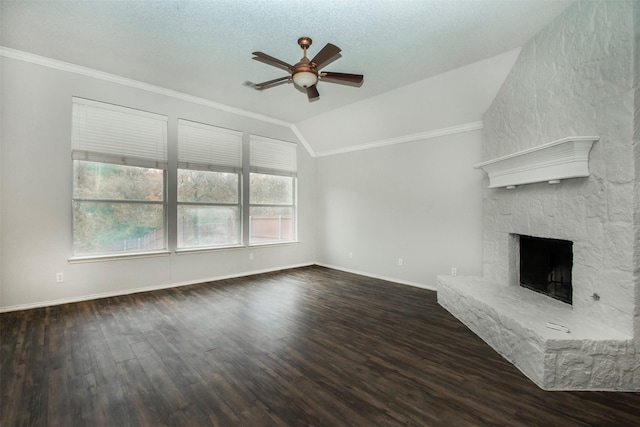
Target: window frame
(292, 206)
(129, 142)
(85, 148)
(280, 160)
(86, 200)
(238, 205)
(228, 166)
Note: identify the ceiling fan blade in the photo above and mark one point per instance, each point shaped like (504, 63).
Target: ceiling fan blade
(312, 93)
(354, 79)
(270, 60)
(325, 55)
(267, 84)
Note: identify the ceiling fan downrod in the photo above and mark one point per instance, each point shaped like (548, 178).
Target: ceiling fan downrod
(305, 73)
(304, 43)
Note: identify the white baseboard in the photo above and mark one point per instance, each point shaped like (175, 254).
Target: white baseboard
(41, 304)
(377, 276)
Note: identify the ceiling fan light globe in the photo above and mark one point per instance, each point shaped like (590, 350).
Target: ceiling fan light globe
(305, 79)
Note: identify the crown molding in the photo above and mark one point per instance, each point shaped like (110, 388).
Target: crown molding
(303, 140)
(101, 75)
(467, 127)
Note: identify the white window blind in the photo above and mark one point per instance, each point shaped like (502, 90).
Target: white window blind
(109, 133)
(271, 156)
(206, 147)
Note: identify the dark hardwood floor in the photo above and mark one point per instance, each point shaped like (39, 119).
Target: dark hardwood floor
(303, 347)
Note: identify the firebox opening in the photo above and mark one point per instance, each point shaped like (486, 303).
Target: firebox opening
(545, 266)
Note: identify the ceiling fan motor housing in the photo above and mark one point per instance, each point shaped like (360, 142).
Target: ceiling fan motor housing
(305, 73)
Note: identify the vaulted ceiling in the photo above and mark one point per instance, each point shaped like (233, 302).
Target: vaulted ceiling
(203, 48)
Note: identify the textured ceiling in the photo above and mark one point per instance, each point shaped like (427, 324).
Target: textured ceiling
(204, 48)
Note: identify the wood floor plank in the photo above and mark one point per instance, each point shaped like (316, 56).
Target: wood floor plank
(306, 346)
(85, 401)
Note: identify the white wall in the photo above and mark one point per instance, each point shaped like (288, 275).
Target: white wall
(35, 222)
(420, 201)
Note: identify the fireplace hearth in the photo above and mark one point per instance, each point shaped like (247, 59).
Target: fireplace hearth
(545, 266)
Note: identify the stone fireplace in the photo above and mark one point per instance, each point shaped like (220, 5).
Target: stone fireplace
(557, 88)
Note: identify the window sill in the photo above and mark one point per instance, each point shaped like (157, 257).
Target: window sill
(112, 257)
(288, 242)
(184, 251)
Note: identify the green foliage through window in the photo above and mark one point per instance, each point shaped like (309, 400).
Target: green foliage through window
(117, 208)
(208, 208)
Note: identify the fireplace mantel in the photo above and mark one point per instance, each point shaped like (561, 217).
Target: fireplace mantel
(552, 162)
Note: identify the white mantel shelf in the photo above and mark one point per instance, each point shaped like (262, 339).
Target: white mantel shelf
(552, 162)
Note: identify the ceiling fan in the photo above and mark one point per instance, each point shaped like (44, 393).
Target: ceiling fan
(306, 73)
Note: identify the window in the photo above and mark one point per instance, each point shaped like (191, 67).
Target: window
(209, 186)
(272, 191)
(119, 174)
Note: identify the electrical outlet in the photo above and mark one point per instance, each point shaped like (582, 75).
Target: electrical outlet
(350, 255)
(454, 271)
(400, 262)
(59, 277)
(250, 256)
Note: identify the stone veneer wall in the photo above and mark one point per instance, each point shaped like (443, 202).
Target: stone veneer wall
(576, 77)
(636, 143)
